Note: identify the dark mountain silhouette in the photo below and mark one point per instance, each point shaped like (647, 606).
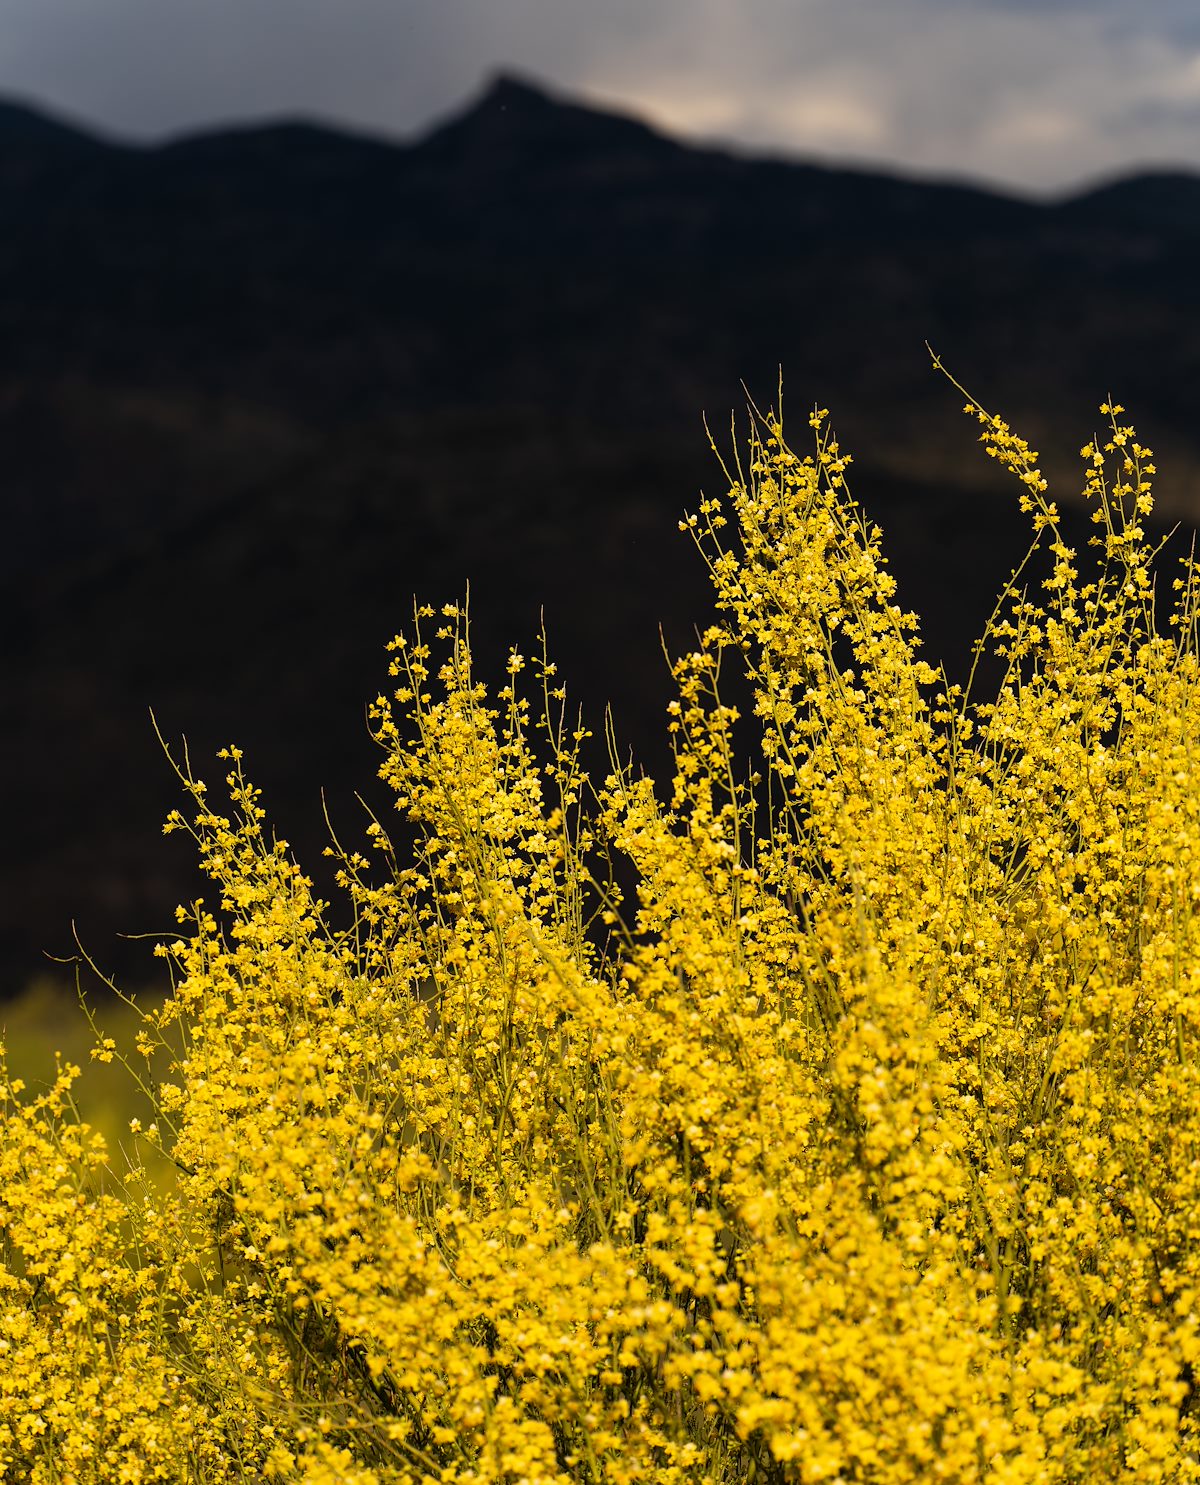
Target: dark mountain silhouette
(259, 387)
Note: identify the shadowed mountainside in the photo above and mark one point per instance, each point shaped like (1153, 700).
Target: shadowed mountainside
(259, 387)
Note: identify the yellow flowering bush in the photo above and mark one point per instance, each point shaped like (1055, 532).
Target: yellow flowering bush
(831, 1114)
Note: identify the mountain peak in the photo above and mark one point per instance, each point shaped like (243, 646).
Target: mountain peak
(506, 90)
(516, 116)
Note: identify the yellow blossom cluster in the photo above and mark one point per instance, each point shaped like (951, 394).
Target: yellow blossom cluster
(829, 1113)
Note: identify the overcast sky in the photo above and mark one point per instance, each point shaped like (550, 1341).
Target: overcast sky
(1034, 94)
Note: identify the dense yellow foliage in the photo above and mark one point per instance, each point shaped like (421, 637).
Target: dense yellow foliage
(861, 1143)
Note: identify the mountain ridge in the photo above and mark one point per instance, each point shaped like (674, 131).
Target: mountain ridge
(527, 97)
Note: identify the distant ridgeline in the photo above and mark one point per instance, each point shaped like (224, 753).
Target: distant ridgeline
(260, 387)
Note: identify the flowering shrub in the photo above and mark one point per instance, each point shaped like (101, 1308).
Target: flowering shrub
(859, 1141)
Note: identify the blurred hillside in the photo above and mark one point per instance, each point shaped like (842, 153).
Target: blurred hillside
(258, 388)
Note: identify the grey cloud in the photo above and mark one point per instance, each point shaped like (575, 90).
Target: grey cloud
(1036, 93)
(153, 66)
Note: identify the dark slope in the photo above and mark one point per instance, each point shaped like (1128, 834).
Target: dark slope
(1166, 200)
(257, 388)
